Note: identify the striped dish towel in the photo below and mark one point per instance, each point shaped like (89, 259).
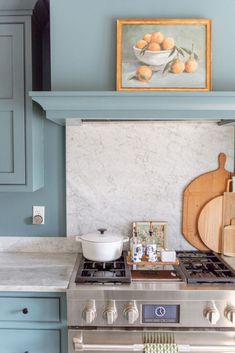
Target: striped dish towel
(161, 348)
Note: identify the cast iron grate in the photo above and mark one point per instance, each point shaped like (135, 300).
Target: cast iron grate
(204, 267)
(104, 272)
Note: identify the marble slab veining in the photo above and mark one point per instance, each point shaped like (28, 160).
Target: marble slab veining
(39, 244)
(120, 172)
(33, 272)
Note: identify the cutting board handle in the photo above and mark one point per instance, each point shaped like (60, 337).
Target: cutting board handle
(222, 160)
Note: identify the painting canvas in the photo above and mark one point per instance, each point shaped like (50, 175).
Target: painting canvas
(164, 54)
(159, 232)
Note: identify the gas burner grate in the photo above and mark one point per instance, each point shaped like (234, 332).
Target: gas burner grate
(104, 272)
(204, 267)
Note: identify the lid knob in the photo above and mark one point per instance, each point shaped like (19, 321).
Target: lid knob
(102, 230)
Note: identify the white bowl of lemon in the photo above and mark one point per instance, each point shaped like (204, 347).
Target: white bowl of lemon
(154, 49)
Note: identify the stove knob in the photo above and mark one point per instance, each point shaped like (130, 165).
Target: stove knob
(131, 313)
(110, 312)
(230, 313)
(89, 313)
(212, 315)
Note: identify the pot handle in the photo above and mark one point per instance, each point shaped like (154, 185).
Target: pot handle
(126, 239)
(102, 230)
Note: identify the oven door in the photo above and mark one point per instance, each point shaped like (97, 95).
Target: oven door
(164, 341)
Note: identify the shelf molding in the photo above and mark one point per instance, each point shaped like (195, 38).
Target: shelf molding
(114, 106)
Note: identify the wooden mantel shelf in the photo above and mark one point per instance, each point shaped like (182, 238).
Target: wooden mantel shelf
(112, 105)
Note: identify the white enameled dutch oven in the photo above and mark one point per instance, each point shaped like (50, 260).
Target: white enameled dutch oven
(102, 246)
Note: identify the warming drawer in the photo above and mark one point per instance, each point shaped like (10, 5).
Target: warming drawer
(170, 341)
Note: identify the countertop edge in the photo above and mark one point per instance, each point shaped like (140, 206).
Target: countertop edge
(36, 272)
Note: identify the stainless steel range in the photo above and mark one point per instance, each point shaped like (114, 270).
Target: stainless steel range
(191, 310)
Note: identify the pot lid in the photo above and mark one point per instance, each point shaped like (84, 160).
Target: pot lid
(102, 236)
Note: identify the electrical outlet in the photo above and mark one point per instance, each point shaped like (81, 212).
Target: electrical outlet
(38, 214)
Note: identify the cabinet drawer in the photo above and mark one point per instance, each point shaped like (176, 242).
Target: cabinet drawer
(30, 309)
(30, 341)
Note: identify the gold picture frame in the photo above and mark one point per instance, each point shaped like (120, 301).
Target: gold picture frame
(159, 231)
(164, 54)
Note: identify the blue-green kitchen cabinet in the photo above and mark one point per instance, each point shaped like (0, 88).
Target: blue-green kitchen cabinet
(33, 323)
(21, 126)
(35, 341)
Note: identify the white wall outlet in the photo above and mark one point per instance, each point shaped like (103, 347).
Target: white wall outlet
(38, 214)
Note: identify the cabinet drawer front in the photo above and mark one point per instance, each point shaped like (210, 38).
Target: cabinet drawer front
(30, 309)
(31, 341)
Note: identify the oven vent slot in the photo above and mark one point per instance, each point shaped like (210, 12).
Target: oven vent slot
(159, 337)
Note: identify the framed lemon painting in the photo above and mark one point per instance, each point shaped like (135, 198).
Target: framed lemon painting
(164, 54)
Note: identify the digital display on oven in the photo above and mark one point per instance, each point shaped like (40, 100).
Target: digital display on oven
(160, 313)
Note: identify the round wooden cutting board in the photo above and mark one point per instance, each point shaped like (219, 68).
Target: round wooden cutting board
(210, 224)
(200, 191)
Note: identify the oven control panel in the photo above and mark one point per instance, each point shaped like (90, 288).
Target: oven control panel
(167, 313)
(160, 313)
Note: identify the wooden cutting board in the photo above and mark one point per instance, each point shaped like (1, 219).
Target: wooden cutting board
(229, 223)
(229, 239)
(228, 208)
(155, 275)
(210, 224)
(201, 190)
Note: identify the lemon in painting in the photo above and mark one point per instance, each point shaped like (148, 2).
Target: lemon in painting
(141, 44)
(143, 73)
(168, 43)
(177, 66)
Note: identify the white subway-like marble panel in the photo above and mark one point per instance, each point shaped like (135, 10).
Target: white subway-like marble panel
(120, 172)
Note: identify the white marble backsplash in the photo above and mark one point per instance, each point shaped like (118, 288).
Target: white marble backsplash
(119, 172)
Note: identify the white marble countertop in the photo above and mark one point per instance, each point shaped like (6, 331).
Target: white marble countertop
(36, 272)
(41, 272)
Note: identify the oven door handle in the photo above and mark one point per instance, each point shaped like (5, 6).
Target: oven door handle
(80, 347)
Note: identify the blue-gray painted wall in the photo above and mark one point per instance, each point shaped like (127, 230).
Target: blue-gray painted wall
(16, 207)
(84, 38)
(83, 49)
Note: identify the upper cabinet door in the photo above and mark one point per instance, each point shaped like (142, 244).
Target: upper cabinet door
(12, 105)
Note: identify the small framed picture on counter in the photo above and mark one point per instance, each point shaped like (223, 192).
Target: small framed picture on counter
(158, 229)
(164, 54)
